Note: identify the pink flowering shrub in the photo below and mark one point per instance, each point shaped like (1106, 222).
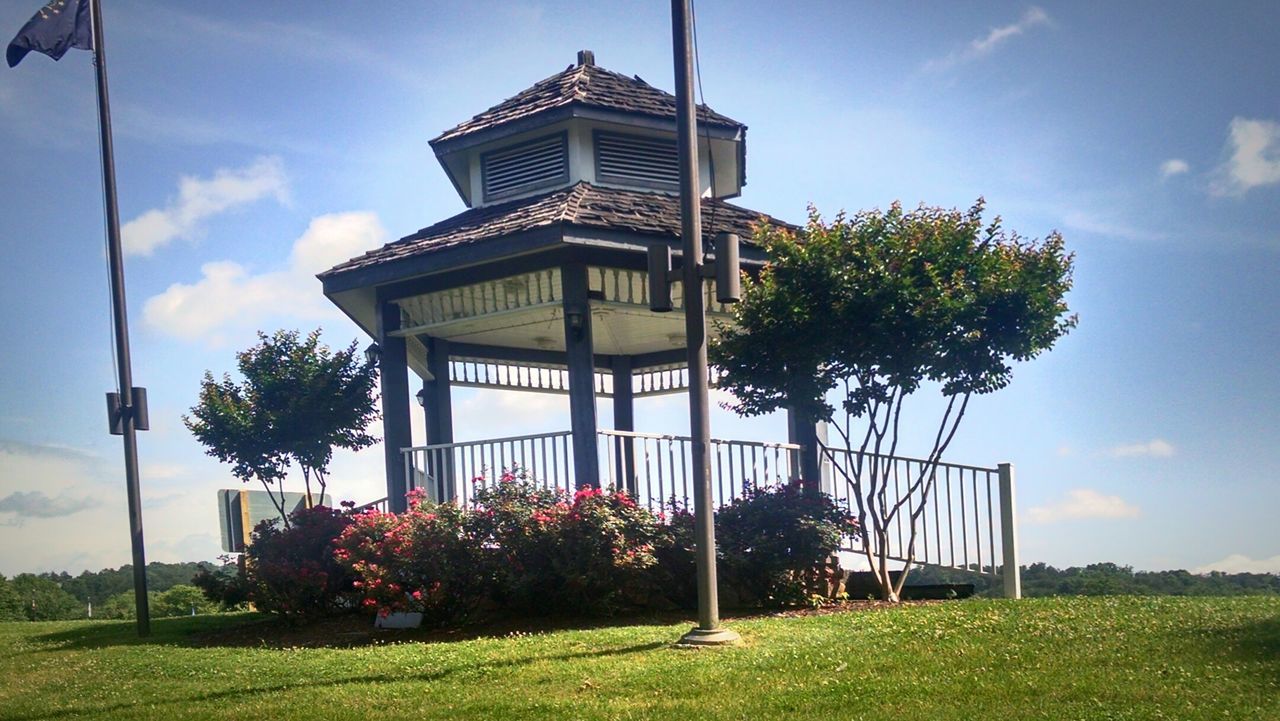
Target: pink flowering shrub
(590, 553)
(529, 549)
(292, 571)
(420, 560)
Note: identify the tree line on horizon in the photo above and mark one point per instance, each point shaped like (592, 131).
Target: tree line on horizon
(61, 596)
(1109, 579)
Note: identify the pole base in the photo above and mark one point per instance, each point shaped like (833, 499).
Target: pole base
(701, 637)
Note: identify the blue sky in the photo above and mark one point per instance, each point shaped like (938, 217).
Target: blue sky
(257, 143)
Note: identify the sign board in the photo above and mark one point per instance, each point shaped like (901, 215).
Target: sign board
(240, 510)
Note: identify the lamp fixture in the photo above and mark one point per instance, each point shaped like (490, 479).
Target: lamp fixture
(373, 354)
(577, 323)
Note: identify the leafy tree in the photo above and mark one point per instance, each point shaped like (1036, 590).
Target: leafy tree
(97, 586)
(10, 602)
(869, 308)
(121, 605)
(182, 600)
(298, 401)
(44, 600)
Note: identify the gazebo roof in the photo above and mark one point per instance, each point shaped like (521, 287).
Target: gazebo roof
(588, 85)
(582, 205)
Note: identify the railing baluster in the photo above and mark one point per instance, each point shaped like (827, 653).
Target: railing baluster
(991, 525)
(951, 531)
(977, 523)
(964, 523)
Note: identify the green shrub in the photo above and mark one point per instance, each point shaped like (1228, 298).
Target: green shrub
(292, 571)
(182, 600)
(774, 545)
(226, 587)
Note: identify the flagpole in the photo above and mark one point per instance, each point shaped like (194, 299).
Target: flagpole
(129, 406)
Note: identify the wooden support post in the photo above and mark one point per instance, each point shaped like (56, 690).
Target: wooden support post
(803, 431)
(624, 419)
(393, 370)
(582, 392)
(439, 405)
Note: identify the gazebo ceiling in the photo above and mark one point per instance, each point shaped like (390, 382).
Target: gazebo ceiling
(526, 311)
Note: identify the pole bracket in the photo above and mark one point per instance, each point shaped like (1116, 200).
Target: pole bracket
(117, 411)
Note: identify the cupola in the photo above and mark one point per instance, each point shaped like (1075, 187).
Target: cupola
(586, 124)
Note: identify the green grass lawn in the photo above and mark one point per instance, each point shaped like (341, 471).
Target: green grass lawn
(1111, 658)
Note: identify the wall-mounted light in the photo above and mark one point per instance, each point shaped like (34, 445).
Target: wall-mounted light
(422, 398)
(373, 354)
(577, 323)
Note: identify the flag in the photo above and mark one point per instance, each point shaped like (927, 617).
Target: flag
(55, 28)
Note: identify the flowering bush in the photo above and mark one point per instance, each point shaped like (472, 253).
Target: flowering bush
(531, 549)
(774, 544)
(549, 552)
(603, 552)
(292, 571)
(420, 560)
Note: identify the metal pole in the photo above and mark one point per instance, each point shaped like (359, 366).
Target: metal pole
(708, 631)
(121, 322)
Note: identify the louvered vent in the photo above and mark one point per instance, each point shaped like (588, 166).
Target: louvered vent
(637, 160)
(539, 163)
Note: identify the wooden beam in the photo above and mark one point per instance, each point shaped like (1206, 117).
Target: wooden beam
(624, 420)
(582, 396)
(393, 371)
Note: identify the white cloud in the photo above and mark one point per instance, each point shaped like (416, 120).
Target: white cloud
(229, 296)
(202, 198)
(163, 471)
(1253, 147)
(1097, 225)
(1240, 563)
(1154, 448)
(35, 504)
(65, 509)
(1172, 167)
(979, 47)
(1080, 504)
(497, 413)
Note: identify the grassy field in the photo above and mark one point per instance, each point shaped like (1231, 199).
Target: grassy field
(1110, 658)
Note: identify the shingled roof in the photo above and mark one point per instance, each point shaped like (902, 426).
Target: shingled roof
(582, 205)
(585, 84)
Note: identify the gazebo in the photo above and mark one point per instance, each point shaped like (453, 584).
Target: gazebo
(540, 285)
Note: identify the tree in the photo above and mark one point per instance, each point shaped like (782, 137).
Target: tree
(44, 600)
(298, 401)
(866, 310)
(182, 600)
(122, 606)
(10, 602)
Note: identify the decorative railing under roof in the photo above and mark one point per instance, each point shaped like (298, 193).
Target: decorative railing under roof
(435, 312)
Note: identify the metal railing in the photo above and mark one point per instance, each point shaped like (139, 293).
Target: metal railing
(656, 468)
(452, 471)
(379, 505)
(967, 520)
(958, 518)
